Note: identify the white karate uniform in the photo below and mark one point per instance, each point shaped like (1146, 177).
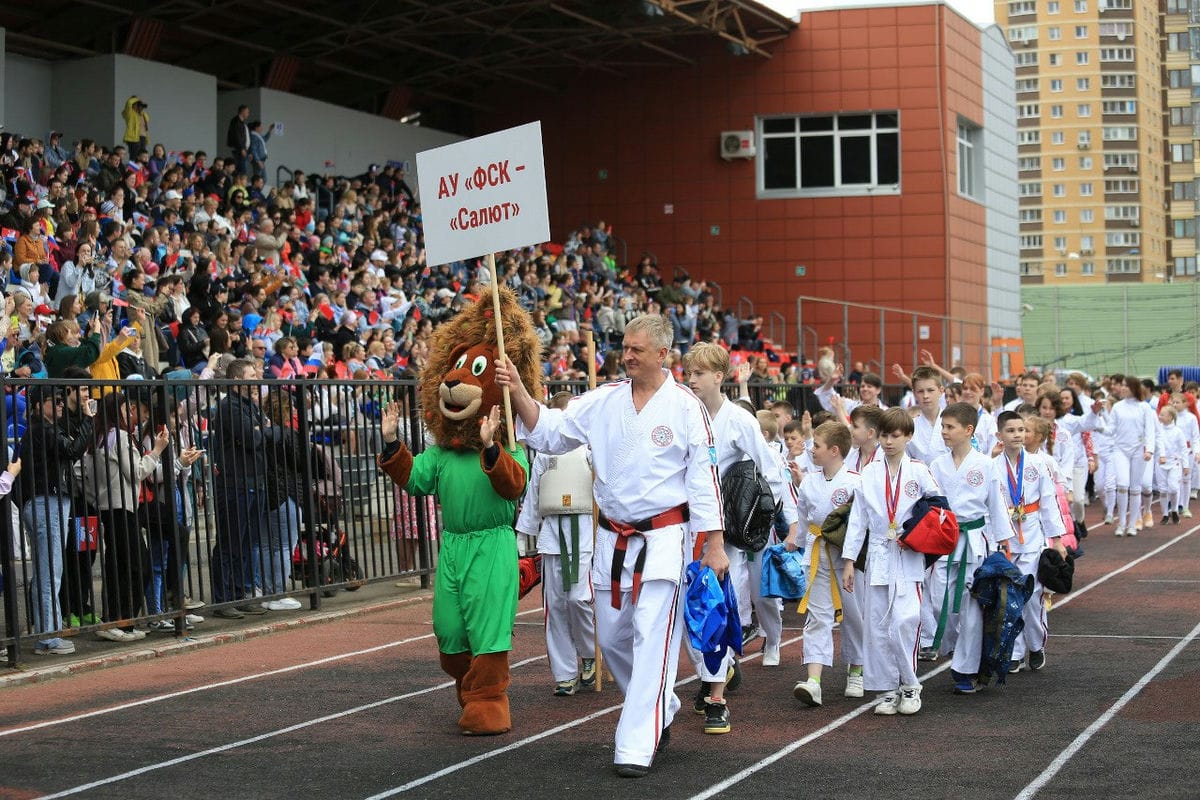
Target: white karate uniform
(1077, 426)
(891, 599)
(925, 446)
(984, 438)
(1191, 431)
(857, 462)
(1036, 486)
(975, 491)
(738, 437)
(818, 496)
(567, 613)
(646, 463)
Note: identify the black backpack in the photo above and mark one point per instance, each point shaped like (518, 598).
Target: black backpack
(749, 506)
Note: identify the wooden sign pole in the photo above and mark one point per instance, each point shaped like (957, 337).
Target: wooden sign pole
(508, 416)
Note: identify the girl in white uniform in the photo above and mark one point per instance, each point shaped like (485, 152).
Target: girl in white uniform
(1133, 446)
(1172, 468)
(892, 594)
(821, 493)
(984, 438)
(565, 544)
(1188, 422)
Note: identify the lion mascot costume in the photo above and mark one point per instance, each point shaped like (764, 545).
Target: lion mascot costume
(478, 485)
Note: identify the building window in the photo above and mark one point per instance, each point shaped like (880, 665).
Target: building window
(1185, 266)
(1121, 186)
(1127, 160)
(1029, 137)
(1031, 268)
(970, 160)
(1060, 270)
(1059, 190)
(1085, 162)
(1029, 111)
(1183, 190)
(1080, 6)
(1178, 6)
(1086, 243)
(1057, 137)
(1118, 29)
(1022, 7)
(1058, 164)
(1083, 110)
(1120, 133)
(1060, 243)
(1056, 111)
(1116, 5)
(1055, 60)
(1052, 7)
(1182, 152)
(1029, 188)
(1028, 58)
(1181, 115)
(1133, 238)
(1119, 107)
(1085, 189)
(1031, 242)
(1086, 215)
(1054, 33)
(1081, 31)
(1084, 138)
(1023, 33)
(1124, 266)
(1083, 84)
(1060, 217)
(1178, 42)
(1028, 163)
(1110, 54)
(1081, 58)
(1118, 80)
(1184, 229)
(1025, 85)
(1031, 215)
(1056, 85)
(832, 154)
(1087, 268)
(1122, 213)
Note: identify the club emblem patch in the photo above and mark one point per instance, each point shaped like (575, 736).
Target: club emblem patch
(662, 436)
(975, 477)
(840, 497)
(912, 490)
(1031, 473)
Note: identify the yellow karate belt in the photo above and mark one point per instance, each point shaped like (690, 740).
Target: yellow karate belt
(814, 561)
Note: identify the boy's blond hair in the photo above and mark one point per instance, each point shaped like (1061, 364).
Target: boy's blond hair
(768, 423)
(708, 357)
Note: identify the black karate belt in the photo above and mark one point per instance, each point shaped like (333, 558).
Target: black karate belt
(672, 516)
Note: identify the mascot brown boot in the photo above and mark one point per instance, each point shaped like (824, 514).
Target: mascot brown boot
(485, 696)
(456, 665)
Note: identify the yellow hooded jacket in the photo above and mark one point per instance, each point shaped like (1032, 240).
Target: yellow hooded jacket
(134, 119)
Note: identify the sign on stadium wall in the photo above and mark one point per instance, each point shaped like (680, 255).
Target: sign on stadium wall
(484, 195)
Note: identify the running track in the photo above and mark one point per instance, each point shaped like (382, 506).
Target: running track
(359, 709)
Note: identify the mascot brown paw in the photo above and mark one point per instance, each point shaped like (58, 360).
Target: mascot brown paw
(485, 696)
(456, 665)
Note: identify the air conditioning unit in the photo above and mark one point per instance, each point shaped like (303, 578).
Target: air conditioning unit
(1121, 36)
(1087, 252)
(1133, 170)
(737, 144)
(1085, 146)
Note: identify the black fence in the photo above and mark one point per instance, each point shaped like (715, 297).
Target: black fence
(139, 500)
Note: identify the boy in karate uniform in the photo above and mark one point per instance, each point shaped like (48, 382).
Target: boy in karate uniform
(891, 597)
(864, 436)
(565, 543)
(820, 493)
(926, 445)
(737, 437)
(1033, 508)
(976, 493)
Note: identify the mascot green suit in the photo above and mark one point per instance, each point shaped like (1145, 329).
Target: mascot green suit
(478, 484)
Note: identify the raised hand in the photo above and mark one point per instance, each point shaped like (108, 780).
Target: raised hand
(489, 426)
(389, 423)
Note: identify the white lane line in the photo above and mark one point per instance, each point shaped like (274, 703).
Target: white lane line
(1108, 636)
(221, 684)
(1164, 580)
(133, 773)
(470, 762)
(1060, 761)
(832, 726)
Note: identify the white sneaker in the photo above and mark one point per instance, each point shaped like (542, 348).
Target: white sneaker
(887, 705)
(284, 604)
(114, 635)
(808, 692)
(1119, 531)
(770, 656)
(135, 634)
(910, 699)
(854, 685)
(193, 619)
(1108, 519)
(1133, 531)
(1186, 513)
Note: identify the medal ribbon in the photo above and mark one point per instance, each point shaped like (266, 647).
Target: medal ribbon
(892, 498)
(1016, 491)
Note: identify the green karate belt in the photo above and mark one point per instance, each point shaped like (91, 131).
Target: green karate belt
(569, 557)
(960, 582)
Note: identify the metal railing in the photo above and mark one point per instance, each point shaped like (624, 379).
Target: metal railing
(262, 490)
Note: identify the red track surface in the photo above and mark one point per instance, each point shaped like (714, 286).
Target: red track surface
(375, 722)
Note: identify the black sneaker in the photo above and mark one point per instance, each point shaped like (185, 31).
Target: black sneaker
(632, 770)
(1037, 660)
(1165, 520)
(1174, 517)
(927, 654)
(716, 718)
(1014, 667)
(252, 609)
(701, 702)
(733, 677)
(749, 634)
(229, 613)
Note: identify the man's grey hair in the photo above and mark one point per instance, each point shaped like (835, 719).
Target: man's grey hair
(656, 326)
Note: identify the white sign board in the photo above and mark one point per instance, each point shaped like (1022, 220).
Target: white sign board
(484, 195)
(922, 332)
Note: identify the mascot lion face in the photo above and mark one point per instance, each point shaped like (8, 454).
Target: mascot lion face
(468, 391)
(458, 384)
